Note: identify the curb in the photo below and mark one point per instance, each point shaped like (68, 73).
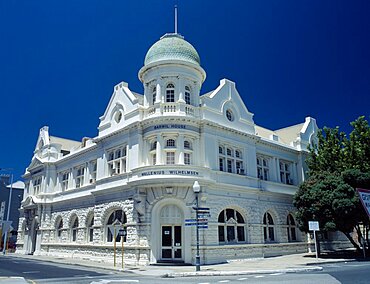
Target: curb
(228, 273)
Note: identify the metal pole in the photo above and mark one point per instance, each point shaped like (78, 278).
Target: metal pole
(114, 236)
(314, 237)
(197, 257)
(122, 250)
(8, 214)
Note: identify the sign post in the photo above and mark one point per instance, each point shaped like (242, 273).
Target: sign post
(122, 233)
(314, 226)
(364, 195)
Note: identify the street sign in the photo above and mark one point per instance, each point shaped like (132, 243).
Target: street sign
(364, 195)
(203, 227)
(313, 226)
(201, 208)
(204, 215)
(194, 224)
(2, 210)
(7, 226)
(122, 232)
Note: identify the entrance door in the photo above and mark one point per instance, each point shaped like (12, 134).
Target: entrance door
(171, 243)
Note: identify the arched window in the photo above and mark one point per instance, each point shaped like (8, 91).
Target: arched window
(154, 94)
(59, 229)
(231, 227)
(170, 143)
(90, 229)
(291, 228)
(268, 228)
(153, 145)
(187, 95)
(170, 93)
(74, 229)
(117, 217)
(187, 145)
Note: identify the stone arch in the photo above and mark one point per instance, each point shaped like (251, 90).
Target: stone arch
(72, 217)
(57, 220)
(109, 209)
(90, 214)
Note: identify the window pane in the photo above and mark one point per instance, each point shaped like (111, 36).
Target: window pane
(239, 218)
(221, 234)
(241, 235)
(221, 217)
(231, 234)
(229, 214)
(271, 234)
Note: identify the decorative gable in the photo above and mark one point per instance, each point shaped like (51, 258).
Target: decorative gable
(121, 109)
(225, 107)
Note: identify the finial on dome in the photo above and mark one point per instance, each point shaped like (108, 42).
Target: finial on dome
(175, 19)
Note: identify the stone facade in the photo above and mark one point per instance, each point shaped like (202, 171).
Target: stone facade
(136, 176)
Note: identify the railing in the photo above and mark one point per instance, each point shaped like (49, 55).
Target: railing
(168, 108)
(171, 108)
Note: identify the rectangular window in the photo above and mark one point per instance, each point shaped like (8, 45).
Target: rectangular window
(80, 172)
(65, 177)
(285, 173)
(186, 158)
(221, 161)
(117, 161)
(170, 96)
(154, 159)
(262, 168)
(187, 98)
(170, 158)
(230, 234)
(37, 185)
(93, 172)
(241, 234)
(230, 166)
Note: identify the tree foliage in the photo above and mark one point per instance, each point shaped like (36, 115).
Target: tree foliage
(337, 166)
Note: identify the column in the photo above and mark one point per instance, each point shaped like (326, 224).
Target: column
(195, 94)
(158, 97)
(181, 89)
(180, 149)
(159, 149)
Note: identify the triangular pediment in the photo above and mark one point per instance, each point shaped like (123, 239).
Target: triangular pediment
(231, 221)
(28, 203)
(35, 163)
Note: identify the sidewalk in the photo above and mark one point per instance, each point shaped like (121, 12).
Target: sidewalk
(281, 264)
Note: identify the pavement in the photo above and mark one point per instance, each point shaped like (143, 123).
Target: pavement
(279, 264)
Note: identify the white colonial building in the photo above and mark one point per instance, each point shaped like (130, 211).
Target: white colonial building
(138, 174)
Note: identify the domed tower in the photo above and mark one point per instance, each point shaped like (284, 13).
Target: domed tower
(172, 76)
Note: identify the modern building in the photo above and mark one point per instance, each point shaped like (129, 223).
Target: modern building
(137, 174)
(17, 196)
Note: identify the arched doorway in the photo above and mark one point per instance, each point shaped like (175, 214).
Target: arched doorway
(172, 244)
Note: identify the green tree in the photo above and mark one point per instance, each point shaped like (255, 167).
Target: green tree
(337, 166)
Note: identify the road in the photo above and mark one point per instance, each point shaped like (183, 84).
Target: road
(36, 271)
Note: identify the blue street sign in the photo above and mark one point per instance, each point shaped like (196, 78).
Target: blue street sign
(201, 208)
(204, 215)
(203, 227)
(195, 223)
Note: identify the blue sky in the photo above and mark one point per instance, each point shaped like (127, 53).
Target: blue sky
(59, 60)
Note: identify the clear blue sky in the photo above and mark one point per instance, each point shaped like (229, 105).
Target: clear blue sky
(59, 60)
